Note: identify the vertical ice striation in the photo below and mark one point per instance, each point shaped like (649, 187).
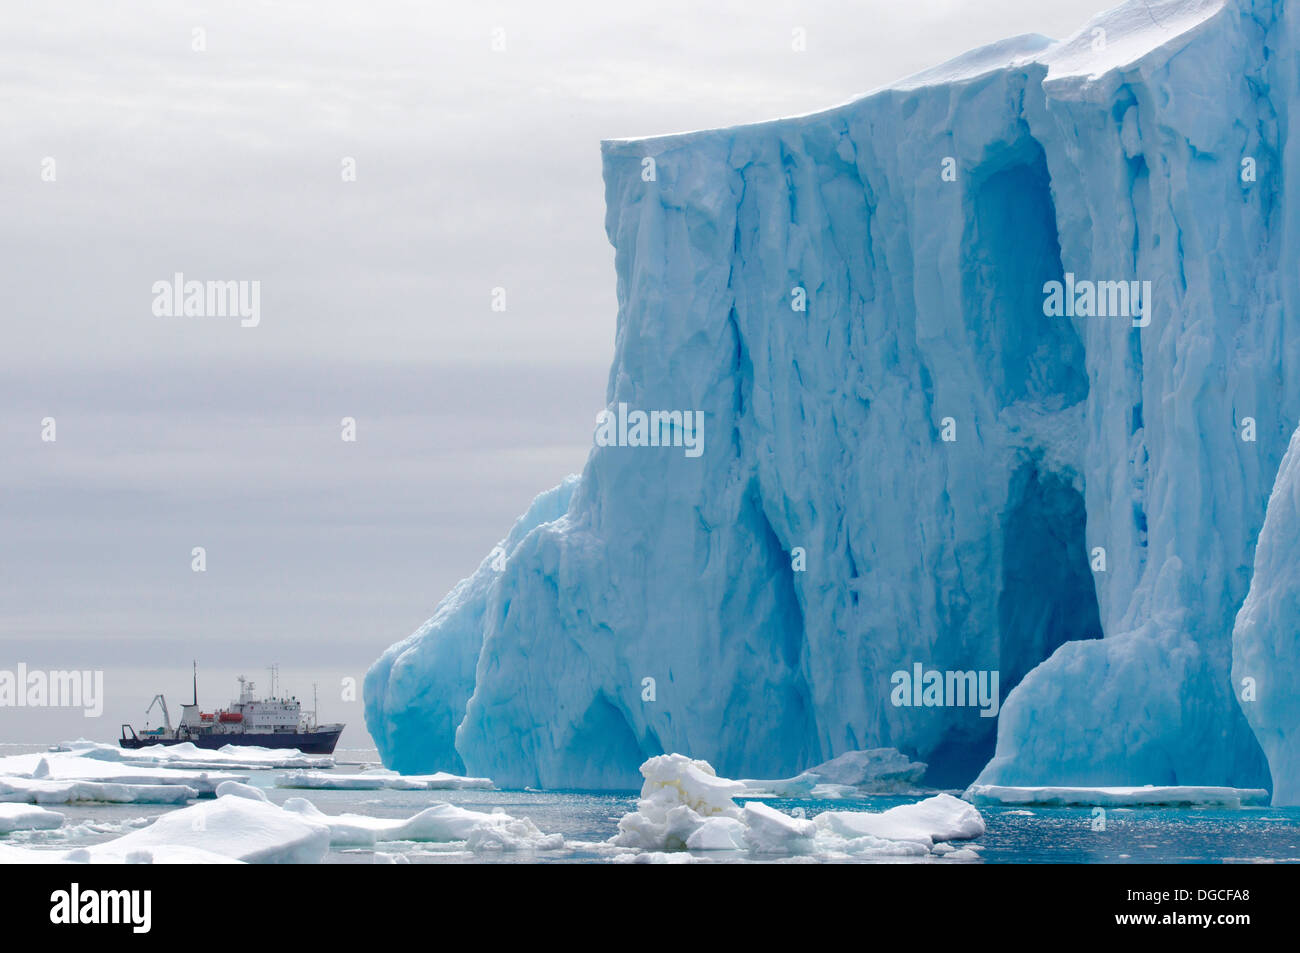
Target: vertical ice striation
(920, 466)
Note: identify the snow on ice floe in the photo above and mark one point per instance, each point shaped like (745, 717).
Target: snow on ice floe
(684, 805)
(229, 829)
(188, 755)
(1147, 795)
(382, 780)
(45, 791)
(27, 817)
(46, 775)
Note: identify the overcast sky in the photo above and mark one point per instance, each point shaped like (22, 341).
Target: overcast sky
(475, 169)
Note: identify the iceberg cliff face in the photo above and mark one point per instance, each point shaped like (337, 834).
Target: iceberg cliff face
(906, 461)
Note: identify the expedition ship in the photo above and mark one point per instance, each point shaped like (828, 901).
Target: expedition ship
(266, 722)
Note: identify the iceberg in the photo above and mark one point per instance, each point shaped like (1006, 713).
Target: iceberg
(1265, 661)
(996, 375)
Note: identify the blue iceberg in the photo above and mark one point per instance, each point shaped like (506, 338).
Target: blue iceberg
(995, 376)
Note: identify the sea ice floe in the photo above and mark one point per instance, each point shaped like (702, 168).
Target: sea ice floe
(56, 766)
(26, 817)
(1148, 795)
(188, 755)
(44, 791)
(229, 829)
(381, 779)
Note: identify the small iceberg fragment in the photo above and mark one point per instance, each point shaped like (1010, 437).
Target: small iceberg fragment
(927, 823)
(380, 779)
(678, 796)
(440, 823)
(684, 805)
(1146, 796)
(768, 831)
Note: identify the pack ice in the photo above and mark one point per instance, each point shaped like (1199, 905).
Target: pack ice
(996, 376)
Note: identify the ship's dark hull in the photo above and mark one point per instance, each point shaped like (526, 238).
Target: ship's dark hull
(316, 742)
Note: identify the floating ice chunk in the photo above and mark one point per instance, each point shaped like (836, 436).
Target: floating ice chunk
(718, 833)
(504, 833)
(236, 789)
(678, 796)
(24, 817)
(439, 823)
(768, 831)
(381, 780)
(939, 818)
(1165, 796)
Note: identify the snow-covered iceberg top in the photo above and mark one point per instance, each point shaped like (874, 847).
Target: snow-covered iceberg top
(684, 805)
(1146, 795)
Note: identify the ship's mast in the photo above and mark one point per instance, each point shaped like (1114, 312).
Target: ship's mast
(196, 683)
